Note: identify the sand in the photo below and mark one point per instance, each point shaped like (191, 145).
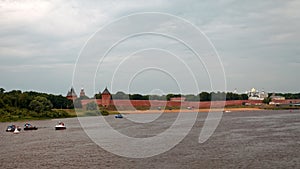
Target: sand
(226, 110)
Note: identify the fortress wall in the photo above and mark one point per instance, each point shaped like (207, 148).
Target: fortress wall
(203, 104)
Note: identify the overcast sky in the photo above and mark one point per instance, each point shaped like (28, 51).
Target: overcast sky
(257, 41)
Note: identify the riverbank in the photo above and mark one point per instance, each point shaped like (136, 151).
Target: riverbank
(189, 110)
(71, 113)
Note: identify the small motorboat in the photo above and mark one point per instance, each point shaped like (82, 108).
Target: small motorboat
(12, 128)
(28, 126)
(226, 111)
(118, 116)
(60, 126)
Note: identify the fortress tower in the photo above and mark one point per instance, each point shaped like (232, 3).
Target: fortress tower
(82, 93)
(106, 98)
(71, 94)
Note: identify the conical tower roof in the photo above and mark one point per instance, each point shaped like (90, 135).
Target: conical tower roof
(105, 91)
(71, 92)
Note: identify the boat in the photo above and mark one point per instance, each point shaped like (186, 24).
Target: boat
(28, 126)
(118, 116)
(226, 111)
(12, 128)
(60, 126)
(16, 131)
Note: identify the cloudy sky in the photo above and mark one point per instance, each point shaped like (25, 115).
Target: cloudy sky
(257, 41)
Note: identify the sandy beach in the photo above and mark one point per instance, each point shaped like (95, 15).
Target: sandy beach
(189, 111)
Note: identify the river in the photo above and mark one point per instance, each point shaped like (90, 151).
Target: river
(250, 139)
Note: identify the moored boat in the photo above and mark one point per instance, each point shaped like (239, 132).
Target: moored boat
(28, 126)
(118, 116)
(12, 128)
(16, 131)
(60, 126)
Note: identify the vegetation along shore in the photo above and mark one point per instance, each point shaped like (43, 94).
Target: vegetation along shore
(16, 105)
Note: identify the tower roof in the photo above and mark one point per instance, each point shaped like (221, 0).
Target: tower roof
(71, 92)
(105, 91)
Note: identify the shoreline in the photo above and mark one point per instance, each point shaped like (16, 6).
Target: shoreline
(112, 113)
(225, 110)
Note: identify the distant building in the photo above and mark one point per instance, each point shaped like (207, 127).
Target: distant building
(254, 94)
(82, 93)
(71, 95)
(274, 98)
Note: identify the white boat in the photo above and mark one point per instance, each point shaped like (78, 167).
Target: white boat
(12, 128)
(226, 111)
(60, 126)
(16, 131)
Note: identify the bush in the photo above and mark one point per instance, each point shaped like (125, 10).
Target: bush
(40, 104)
(92, 113)
(104, 113)
(267, 100)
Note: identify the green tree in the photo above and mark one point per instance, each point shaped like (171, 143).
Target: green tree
(244, 97)
(98, 96)
(40, 104)
(138, 97)
(169, 96)
(191, 97)
(204, 96)
(59, 101)
(157, 97)
(8, 100)
(219, 96)
(24, 100)
(2, 105)
(232, 96)
(2, 91)
(120, 95)
(267, 100)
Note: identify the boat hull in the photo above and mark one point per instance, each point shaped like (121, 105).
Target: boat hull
(12, 130)
(60, 128)
(30, 128)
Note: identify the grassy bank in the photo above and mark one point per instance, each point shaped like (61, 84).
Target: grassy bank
(83, 112)
(17, 114)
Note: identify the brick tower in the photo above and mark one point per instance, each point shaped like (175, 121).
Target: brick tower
(106, 97)
(82, 93)
(71, 94)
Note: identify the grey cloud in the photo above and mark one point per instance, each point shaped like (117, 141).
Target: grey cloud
(251, 37)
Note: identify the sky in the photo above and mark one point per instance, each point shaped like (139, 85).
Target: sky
(48, 46)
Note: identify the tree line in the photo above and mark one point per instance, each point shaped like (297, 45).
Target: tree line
(17, 98)
(16, 104)
(203, 96)
(287, 95)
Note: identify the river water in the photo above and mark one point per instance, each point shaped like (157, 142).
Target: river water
(252, 139)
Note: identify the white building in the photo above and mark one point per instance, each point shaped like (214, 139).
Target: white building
(273, 97)
(254, 94)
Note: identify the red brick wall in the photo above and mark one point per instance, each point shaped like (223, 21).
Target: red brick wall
(106, 100)
(157, 103)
